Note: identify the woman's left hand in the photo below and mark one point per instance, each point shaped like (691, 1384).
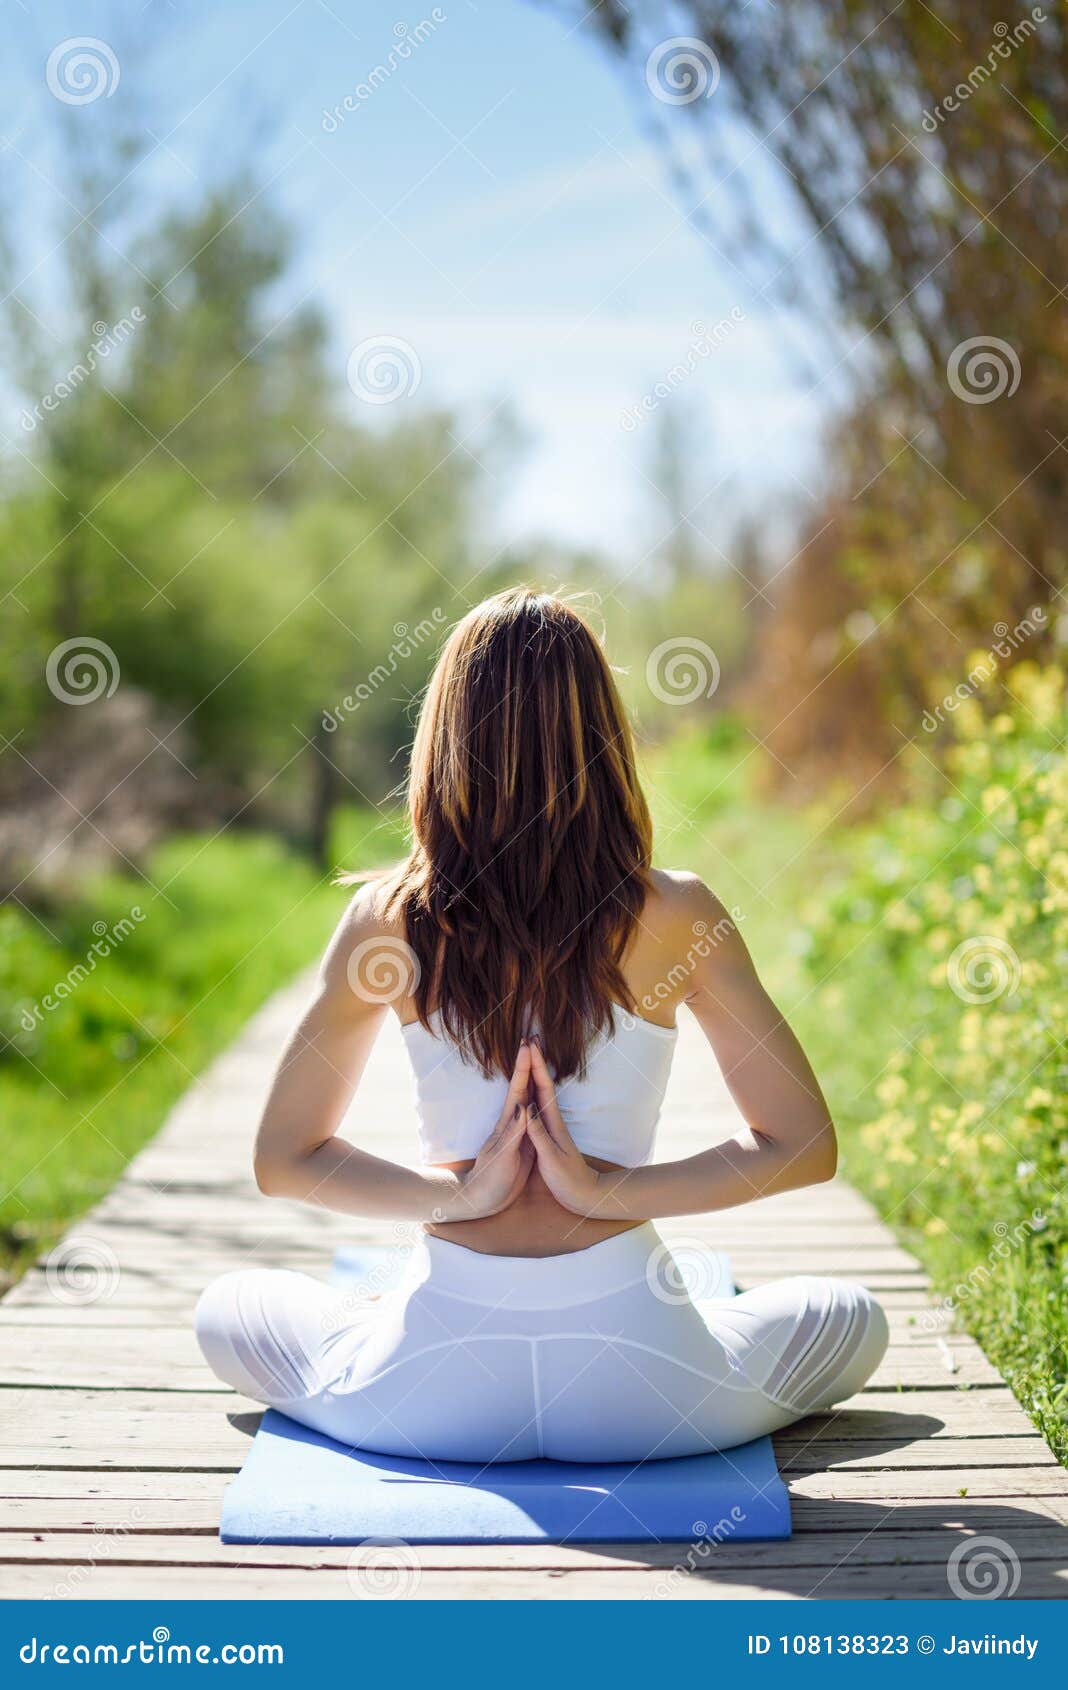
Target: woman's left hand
(560, 1162)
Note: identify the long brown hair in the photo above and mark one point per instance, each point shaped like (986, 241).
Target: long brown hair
(531, 836)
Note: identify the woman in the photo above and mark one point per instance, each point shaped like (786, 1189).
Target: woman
(546, 959)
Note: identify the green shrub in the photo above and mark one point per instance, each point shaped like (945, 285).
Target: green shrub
(921, 960)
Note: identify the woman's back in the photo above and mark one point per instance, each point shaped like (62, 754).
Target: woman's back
(611, 1109)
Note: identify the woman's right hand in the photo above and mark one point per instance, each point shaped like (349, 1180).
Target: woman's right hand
(501, 1168)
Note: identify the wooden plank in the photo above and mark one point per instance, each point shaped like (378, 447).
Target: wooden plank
(189, 1501)
(333, 1584)
(130, 1546)
(817, 1454)
(317, 1583)
(942, 1482)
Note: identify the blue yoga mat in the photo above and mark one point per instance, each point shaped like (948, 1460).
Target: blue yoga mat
(298, 1486)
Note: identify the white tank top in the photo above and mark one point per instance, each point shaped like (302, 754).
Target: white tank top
(611, 1114)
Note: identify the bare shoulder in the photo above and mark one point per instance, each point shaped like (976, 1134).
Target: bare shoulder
(690, 935)
(680, 900)
(368, 957)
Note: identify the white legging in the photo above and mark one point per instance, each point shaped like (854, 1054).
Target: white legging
(599, 1355)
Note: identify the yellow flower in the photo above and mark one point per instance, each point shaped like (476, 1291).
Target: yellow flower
(891, 1089)
(997, 801)
(969, 719)
(900, 1153)
(980, 667)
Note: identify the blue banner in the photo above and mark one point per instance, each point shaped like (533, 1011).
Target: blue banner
(524, 1647)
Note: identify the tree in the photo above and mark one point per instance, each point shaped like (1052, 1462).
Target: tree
(921, 149)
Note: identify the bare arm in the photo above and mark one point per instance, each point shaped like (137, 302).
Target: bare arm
(788, 1139)
(298, 1153)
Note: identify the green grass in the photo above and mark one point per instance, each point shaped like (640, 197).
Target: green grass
(953, 1114)
(91, 1060)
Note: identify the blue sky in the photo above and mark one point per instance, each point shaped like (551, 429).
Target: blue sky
(499, 203)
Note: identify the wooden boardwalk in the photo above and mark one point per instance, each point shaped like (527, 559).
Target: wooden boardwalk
(117, 1443)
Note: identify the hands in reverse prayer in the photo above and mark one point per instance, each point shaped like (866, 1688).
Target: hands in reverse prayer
(530, 1130)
